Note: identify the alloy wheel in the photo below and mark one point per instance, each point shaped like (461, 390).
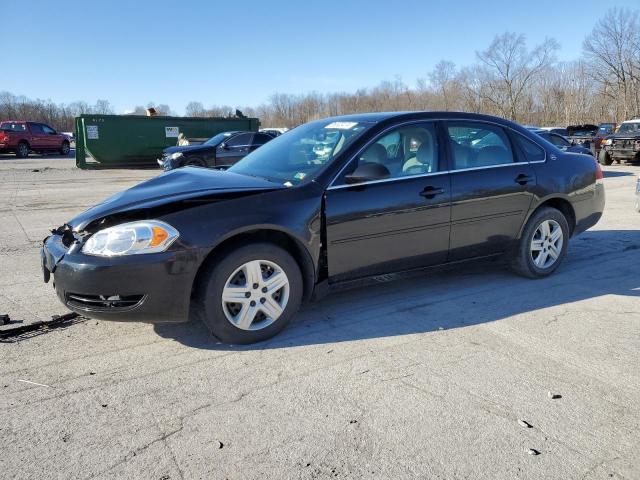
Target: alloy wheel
(546, 244)
(255, 295)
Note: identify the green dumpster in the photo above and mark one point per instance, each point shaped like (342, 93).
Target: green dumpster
(107, 141)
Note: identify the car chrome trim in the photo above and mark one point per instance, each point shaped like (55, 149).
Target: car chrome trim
(432, 120)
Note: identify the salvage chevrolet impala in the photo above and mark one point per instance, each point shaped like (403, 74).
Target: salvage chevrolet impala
(331, 203)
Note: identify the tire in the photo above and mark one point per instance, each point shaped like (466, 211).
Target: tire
(65, 148)
(195, 162)
(539, 261)
(604, 158)
(23, 150)
(246, 321)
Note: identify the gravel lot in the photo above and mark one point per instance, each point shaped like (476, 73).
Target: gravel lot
(425, 378)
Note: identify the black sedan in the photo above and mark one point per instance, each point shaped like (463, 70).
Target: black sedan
(562, 143)
(330, 203)
(220, 151)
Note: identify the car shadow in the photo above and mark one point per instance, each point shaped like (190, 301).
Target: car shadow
(613, 174)
(599, 263)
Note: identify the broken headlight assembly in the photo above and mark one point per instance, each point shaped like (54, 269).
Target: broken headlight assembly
(148, 236)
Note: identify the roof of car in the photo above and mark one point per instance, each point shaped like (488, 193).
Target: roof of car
(381, 116)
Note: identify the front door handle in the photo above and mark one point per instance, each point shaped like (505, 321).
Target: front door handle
(523, 179)
(430, 192)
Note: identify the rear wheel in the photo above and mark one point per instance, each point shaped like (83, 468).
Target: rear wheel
(65, 148)
(543, 244)
(23, 150)
(251, 293)
(604, 158)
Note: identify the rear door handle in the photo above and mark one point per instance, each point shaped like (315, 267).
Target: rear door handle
(430, 192)
(523, 179)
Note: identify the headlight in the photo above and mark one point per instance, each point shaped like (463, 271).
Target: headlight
(149, 236)
(608, 141)
(175, 156)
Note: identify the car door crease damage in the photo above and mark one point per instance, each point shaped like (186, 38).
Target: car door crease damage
(310, 210)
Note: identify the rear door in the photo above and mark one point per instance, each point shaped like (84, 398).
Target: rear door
(491, 189)
(37, 137)
(234, 149)
(394, 224)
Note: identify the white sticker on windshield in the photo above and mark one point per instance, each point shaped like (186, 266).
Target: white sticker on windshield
(342, 125)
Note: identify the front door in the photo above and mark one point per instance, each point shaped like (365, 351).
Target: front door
(399, 223)
(233, 149)
(38, 139)
(491, 190)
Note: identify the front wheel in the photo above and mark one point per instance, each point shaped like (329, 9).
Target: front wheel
(65, 148)
(543, 244)
(604, 158)
(251, 293)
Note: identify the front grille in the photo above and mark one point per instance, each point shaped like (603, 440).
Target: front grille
(104, 302)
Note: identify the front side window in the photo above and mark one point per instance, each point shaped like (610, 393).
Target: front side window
(48, 130)
(239, 140)
(405, 151)
(476, 145)
(302, 153)
(36, 128)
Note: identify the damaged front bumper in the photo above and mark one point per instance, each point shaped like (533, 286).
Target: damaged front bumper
(153, 288)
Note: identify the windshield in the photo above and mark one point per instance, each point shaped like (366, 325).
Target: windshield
(629, 127)
(299, 154)
(217, 139)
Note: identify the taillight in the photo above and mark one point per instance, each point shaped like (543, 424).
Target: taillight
(599, 174)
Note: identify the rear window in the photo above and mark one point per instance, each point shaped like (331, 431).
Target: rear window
(532, 151)
(13, 127)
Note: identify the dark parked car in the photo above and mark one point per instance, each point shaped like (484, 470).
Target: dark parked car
(395, 192)
(562, 143)
(624, 145)
(582, 134)
(220, 151)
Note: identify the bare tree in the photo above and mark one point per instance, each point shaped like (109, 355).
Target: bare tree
(613, 50)
(508, 69)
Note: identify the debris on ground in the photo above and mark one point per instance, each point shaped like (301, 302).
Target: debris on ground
(533, 451)
(220, 444)
(5, 319)
(34, 383)
(554, 396)
(38, 328)
(524, 423)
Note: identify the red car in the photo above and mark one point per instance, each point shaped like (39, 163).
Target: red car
(23, 137)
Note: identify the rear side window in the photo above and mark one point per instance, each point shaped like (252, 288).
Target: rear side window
(13, 127)
(475, 144)
(532, 151)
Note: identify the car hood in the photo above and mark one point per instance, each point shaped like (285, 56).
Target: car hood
(174, 186)
(187, 148)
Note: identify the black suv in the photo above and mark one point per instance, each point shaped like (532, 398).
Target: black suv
(220, 151)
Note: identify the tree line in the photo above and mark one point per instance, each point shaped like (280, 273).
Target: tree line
(508, 79)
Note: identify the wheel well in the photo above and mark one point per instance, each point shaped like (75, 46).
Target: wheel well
(563, 206)
(276, 237)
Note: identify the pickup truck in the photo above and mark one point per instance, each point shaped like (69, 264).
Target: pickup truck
(622, 145)
(22, 137)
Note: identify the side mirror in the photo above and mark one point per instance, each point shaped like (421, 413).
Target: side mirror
(368, 172)
(223, 146)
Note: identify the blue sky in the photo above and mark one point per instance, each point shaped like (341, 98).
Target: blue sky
(239, 53)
